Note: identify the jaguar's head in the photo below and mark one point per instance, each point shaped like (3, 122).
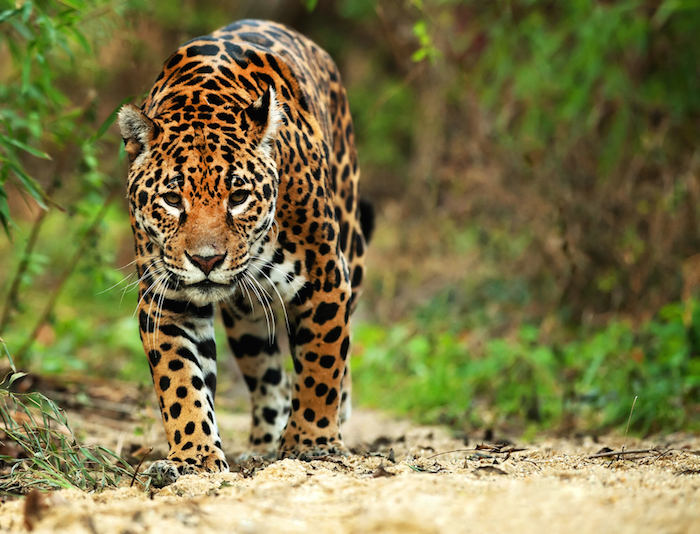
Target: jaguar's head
(202, 187)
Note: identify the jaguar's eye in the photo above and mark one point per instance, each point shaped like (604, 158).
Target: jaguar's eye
(238, 197)
(172, 198)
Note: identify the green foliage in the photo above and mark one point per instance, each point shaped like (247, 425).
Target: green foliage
(91, 328)
(42, 40)
(427, 49)
(357, 9)
(394, 122)
(49, 109)
(593, 108)
(584, 67)
(588, 382)
(310, 4)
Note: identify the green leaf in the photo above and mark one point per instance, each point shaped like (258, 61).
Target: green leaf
(72, 5)
(5, 15)
(419, 55)
(25, 147)
(26, 9)
(14, 377)
(27, 69)
(5, 218)
(29, 184)
(109, 120)
(81, 40)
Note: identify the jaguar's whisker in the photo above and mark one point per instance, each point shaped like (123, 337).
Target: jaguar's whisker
(287, 276)
(274, 288)
(125, 279)
(149, 289)
(269, 315)
(132, 262)
(244, 287)
(159, 308)
(150, 306)
(145, 275)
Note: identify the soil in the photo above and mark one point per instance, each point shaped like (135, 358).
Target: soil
(402, 478)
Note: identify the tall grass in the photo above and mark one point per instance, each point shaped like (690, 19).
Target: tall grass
(39, 449)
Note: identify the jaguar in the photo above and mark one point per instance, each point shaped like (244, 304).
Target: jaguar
(243, 196)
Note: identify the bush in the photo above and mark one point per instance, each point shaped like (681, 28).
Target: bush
(587, 383)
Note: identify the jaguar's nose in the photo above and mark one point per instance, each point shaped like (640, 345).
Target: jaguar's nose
(206, 263)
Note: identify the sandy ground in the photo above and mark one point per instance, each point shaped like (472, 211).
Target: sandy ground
(398, 482)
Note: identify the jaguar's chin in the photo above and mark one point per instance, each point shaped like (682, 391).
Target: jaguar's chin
(206, 292)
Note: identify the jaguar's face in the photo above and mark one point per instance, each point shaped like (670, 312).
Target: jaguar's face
(204, 193)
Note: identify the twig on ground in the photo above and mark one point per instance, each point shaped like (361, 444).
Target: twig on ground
(136, 470)
(627, 453)
(495, 449)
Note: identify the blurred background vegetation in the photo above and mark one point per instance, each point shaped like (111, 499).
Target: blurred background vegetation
(535, 168)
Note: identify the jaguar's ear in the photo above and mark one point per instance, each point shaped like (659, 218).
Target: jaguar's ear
(137, 130)
(264, 116)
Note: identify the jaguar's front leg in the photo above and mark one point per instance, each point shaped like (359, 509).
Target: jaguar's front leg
(262, 365)
(321, 344)
(178, 339)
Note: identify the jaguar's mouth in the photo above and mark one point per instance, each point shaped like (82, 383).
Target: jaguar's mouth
(206, 283)
(206, 292)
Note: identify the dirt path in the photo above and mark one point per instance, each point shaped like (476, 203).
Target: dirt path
(552, 486)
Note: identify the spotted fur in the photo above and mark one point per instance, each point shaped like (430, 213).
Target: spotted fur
(243, 194)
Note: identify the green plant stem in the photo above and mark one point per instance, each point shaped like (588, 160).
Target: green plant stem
(13, 293)
(51, 303)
